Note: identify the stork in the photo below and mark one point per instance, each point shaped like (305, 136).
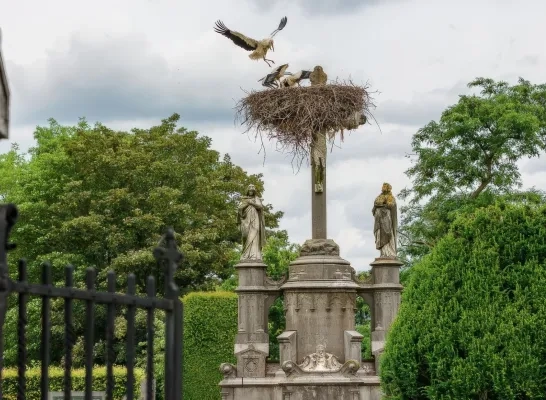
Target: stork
(274, 77)
(318, 76)
(294, 79)
(259, 48)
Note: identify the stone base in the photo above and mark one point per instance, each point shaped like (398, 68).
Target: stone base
(314, 387)
(319, 247)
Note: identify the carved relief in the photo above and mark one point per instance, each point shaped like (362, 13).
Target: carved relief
(251, 364)
(241, 313)
(276, 283)
(320, 361)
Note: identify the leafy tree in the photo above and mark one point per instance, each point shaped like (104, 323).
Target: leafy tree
(92, 196)
(471, 323)
(471, 151)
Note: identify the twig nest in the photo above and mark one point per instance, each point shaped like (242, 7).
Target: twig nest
(293, 115)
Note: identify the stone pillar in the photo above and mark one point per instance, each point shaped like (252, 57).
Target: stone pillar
(386, 292)
(320, 299)
(252, 340)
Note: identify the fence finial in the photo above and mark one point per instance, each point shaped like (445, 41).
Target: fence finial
(170, 257)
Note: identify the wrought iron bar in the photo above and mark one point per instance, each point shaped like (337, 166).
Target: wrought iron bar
(170, 257)
(8, 217)
(89, 334)
(46, 332)
(97, 297)
(69, 334)
(22, 335)
(150, 331)
(130, 352)
(110, 356)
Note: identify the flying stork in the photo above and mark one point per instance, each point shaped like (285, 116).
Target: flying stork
(259, 48)
(274, 77)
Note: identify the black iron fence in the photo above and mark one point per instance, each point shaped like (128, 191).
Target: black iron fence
(168, 257)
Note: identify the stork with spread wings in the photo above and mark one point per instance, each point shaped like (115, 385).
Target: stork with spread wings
(259, 48)
(273, 79)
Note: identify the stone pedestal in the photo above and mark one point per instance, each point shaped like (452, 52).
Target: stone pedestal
(320, 351)
(256, 294)
(386, 293)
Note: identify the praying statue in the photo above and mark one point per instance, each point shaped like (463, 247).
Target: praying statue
(250, 218)
(386, 222)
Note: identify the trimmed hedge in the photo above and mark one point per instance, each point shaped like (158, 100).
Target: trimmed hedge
(473, 316)
(56, 376)
(210, 326)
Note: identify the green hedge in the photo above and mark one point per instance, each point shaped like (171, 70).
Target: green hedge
(210, 325)
(473, 316)
(56, 376)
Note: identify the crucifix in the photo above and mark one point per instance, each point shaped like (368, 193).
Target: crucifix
(318, 186)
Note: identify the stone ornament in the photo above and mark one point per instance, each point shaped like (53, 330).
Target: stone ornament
(385, 222)
(320, 361)
(250, 218)
(228, 370)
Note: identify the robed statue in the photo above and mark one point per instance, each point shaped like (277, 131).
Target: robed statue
(250, 218)
(386, 222)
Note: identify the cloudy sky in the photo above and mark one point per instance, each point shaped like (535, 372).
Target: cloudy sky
(131, 63)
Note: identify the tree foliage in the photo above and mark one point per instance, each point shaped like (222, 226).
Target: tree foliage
(95, 197)
(473, 315)
(472, 150)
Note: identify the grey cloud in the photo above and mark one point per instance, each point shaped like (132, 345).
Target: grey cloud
(530, 60)
(314, 8)
(424, 108)
(114, 80)
(534, 166)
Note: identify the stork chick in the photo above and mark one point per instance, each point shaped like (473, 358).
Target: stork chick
(273, 79)
(259, 48)
(318, 76)
(295, 79)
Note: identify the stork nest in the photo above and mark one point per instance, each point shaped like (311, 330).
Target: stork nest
(293, 115)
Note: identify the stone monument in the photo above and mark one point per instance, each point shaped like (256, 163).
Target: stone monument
(320, 351)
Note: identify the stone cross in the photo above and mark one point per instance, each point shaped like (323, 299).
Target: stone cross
(318, 186)
(318, 152)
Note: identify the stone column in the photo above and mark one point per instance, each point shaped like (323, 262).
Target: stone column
(252, 340)
(319, 299)
(386, 292)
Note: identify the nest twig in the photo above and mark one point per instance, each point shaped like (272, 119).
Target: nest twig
(293, 115)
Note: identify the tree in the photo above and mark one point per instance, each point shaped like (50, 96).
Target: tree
(92, 196)
(471, 321)
(471, 151)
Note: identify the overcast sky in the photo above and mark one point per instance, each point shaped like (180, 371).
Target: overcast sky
(132, 63)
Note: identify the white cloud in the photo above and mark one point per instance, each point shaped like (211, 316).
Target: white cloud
(131, 63)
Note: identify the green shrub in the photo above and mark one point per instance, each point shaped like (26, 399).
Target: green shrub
(56, 376)
(473, 316)
(210, 325)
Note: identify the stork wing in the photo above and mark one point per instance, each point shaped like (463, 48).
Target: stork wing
(238, 38)
(269, 79)
(305, 74)
(284, 20)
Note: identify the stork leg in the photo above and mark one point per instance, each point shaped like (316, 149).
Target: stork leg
(267, 61)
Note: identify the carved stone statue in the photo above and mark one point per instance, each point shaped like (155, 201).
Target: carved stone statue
(250, 218)
(386, 222)
(318, 160)
(320, 361)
